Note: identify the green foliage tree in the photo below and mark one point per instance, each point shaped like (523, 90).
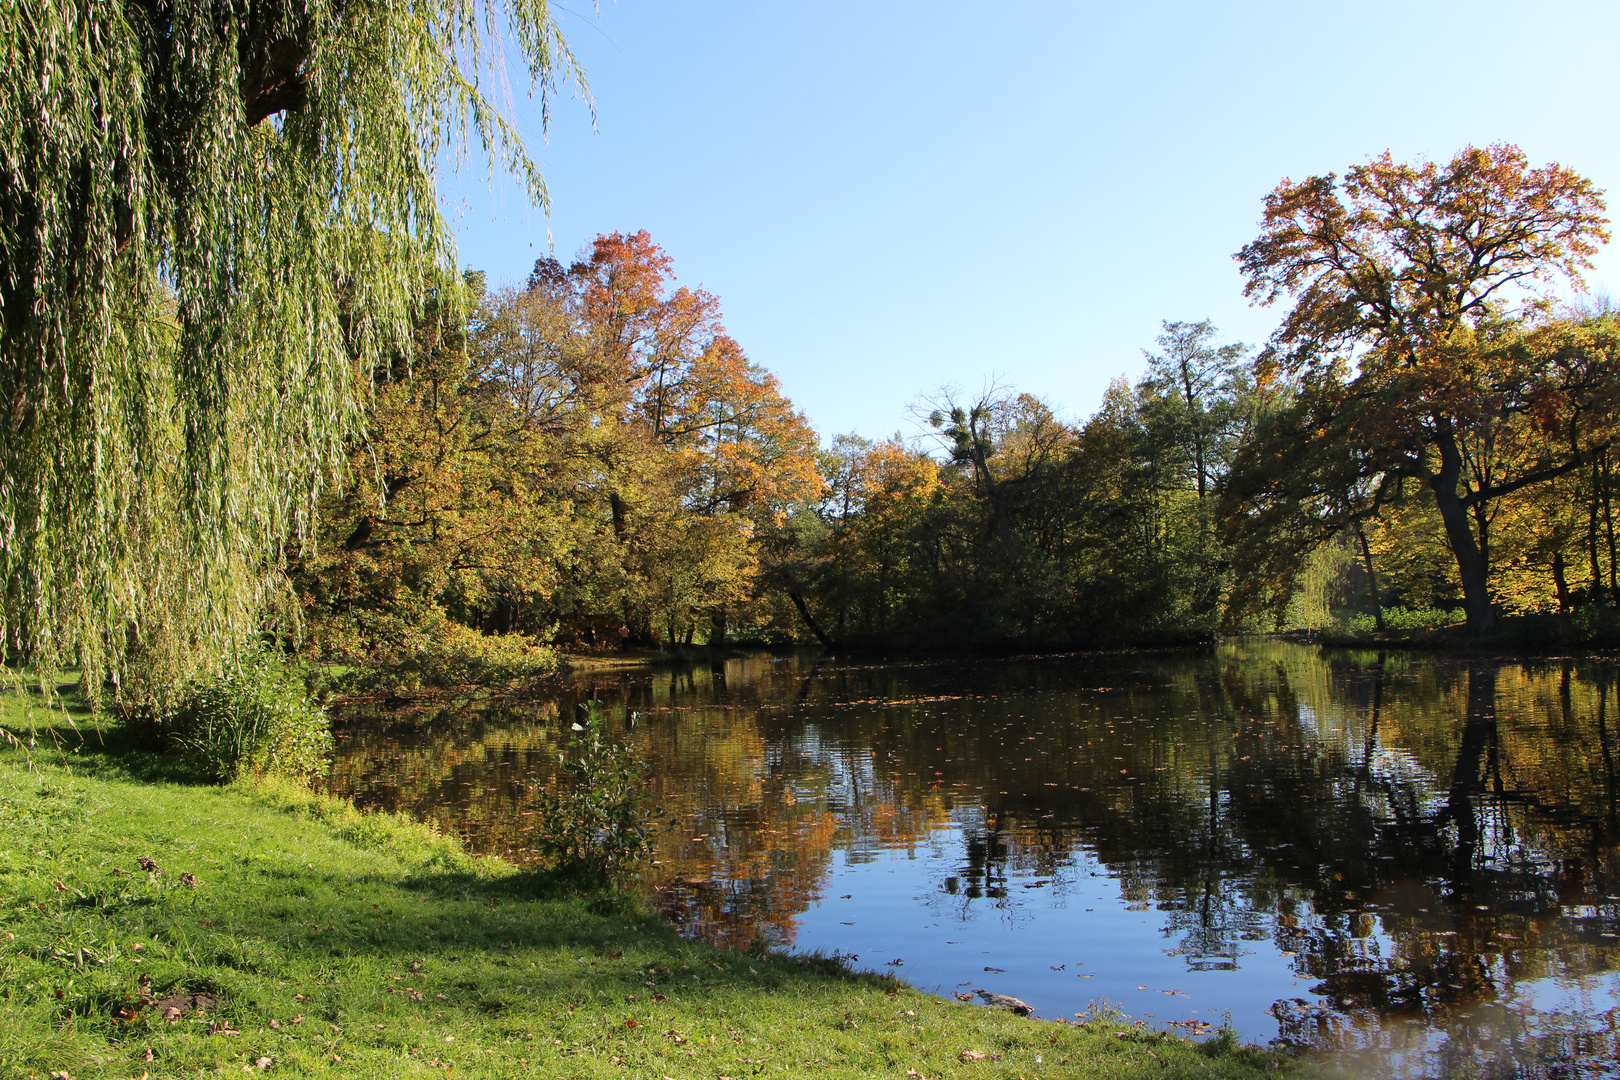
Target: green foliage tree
(207, 214)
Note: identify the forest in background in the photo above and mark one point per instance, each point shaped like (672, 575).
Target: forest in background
(254, 408)
(591, 461)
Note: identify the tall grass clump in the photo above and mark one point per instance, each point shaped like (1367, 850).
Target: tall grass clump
(253, 719)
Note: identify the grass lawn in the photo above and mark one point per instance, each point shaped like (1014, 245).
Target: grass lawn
(311, 940)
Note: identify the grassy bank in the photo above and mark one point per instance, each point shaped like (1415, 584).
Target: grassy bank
(285, 933)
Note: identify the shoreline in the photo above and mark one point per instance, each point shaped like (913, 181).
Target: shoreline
(287, 927)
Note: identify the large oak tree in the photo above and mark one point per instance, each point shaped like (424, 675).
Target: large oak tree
(1403, 280)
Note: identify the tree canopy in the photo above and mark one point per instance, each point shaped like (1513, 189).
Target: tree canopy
(1404, 280)
(210, 217)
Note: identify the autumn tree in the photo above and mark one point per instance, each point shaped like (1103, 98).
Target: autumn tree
(457, 512)
(1407, 273)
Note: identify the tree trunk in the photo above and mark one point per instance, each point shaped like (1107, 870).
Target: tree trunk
(1560, 583)
(1372, 579)
(1592, 539)
(1471, 566)
(809, 620)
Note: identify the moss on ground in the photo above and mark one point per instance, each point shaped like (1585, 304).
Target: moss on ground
(312, 940)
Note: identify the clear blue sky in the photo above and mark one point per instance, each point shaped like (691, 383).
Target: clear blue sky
(892, 195)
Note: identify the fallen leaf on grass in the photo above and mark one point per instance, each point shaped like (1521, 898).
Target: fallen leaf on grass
(972, 1055)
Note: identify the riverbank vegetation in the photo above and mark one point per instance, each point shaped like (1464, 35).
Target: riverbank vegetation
(1425, 442)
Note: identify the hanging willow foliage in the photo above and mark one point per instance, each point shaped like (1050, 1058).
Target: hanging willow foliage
(212, 215)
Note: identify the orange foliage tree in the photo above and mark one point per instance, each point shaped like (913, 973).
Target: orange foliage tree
(1401, 278)
(588, 452)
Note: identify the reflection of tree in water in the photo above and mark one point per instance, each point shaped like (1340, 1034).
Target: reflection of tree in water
(1424, 837)
(1437, 893)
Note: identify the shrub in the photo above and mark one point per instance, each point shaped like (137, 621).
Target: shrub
(596, 822)
(253, 719)
(455, 655)
(1402, 620)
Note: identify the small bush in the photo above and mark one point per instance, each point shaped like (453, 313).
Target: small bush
(253, 719)
(597, 822)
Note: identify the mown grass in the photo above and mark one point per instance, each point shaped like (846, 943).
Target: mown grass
(366, 946)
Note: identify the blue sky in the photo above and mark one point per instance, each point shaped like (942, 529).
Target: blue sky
(892, 195)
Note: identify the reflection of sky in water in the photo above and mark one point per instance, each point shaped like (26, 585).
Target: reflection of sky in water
(1078, 923)
(1410, 859)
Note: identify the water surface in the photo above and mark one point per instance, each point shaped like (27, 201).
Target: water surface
(1406, 861)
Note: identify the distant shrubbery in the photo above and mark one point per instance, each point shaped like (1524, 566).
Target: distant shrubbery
(1401, 620)
(459, 656)
(253, 719)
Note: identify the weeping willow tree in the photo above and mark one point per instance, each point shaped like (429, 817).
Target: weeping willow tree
(215, 217)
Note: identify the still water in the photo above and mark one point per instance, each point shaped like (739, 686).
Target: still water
(1410, 863)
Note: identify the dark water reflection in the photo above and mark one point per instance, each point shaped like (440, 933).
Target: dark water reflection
(1405, 861)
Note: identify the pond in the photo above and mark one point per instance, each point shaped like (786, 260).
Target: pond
(1404, 861)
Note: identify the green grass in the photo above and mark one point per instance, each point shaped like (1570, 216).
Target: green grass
(345, 945)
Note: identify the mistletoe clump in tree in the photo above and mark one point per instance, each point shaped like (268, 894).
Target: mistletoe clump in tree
(211, 216)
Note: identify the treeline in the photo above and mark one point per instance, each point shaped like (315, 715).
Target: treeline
(590, 460)
(1011, 528)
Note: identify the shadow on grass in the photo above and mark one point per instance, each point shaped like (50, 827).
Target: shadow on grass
(68, 735)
